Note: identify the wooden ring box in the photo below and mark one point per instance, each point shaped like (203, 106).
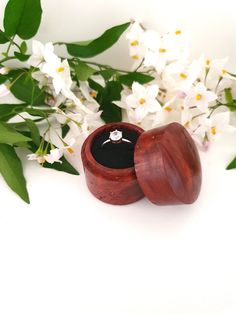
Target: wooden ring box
(162, 164)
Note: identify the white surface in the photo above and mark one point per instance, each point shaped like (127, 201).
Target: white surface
(69, 253)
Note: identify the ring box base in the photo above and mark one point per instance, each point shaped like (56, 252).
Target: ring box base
(164, 165)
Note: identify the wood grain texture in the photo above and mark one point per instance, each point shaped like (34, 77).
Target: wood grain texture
(113, 186)
(167, 165)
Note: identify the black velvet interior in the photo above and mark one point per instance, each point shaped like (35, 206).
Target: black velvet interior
(115, 155)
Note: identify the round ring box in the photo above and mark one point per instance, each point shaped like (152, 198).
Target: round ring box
(163, 164)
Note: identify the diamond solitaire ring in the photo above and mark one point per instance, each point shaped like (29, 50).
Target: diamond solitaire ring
(115, 138)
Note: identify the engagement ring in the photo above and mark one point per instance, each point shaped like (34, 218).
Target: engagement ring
(115, 138)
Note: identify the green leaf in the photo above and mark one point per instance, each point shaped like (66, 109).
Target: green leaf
(34, 131)
(95, 86)
(98, 45)
(228, 95)
(111, 92)
(83, 71)
(8, 111)
(20, 56)
(3, 79)
(130, 78)
(39, 112)
(232, 164)
(65, 166)
(25, 88)
(22, 125)
(12, 172)
(232, 106)
(107, 74)
(23, 47)
(22, 145)
(65, 129)
(8, 135)
(22, 18)
(3, 38)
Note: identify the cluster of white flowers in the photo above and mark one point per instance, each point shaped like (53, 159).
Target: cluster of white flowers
(81, 112)
(192, 93)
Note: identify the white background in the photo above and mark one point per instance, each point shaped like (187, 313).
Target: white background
(69, 253)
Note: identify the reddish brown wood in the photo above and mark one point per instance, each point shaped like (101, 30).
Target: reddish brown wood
(167, 165)
(113, 186)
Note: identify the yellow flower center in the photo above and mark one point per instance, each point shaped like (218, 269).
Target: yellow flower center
(142, 101)
(178, 32)
(198, 97)
(93, 94)
(224, 72)
(134, 43)
(61, 69)
(213, 130)
(208, 61)
(183, 76)
(70, 150)
(135, 57)
(168, 109)
(162, 50)
(82, 99)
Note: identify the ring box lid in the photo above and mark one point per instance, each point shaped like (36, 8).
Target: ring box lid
(167, 165)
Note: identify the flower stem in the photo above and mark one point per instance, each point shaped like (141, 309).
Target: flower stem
(106, 67)
(7, 59)
(139, 66)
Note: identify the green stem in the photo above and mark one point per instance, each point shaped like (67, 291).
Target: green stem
(141, 63)
(12, 42)
(7, 59)
(106, 66)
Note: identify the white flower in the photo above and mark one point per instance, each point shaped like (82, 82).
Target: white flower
(161, 51)
(200, 97)
(91, 122)
(87, 97)
(186, 117)
(54, 156)
(77, 102)
(136, 48)
(179, 40)
(55, 100)
(59, 71)
(88, 92)
(218, 65)
(151, 40)
(69, 147)
(4, 90)
(178, 76)
(165, 49)
(143, 100)
(73, 120)
(211, 127)
(41, 53)
(4, 70)
(157, 60)
(214, 75)
(67, 117)
(42, 79)
(147, 123)
(39, 158)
